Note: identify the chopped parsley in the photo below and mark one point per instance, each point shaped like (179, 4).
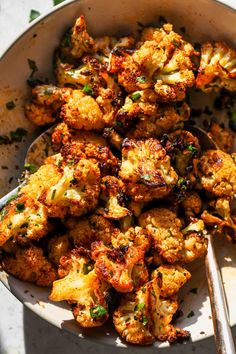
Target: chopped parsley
(17, 135)
(33, 15)
(182, 183)
(141, 79)
(192, 149)
(53, 194)
(87, 89)
(10, 105)
(144, 320)
(135, 96)
(33, 66)
(20, 206)
(191, 314)
(57, 2)
(193, 290)
(98, 311)
(139, 307)
(30, 168)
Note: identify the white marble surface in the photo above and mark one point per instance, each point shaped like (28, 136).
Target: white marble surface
(21, 331)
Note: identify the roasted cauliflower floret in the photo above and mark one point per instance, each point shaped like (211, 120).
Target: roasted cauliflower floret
(30, 264)
(217, 67)
(163, 302)
(172, 243)
(81, 287)
(147, 314)
(146, 170)
(166, 120)
(119, 264)
(58, 246)
(162, 60)
(164, 227)
(220, 219)
(113, 194)
(77, 191)
(23, 219)
(40, 115)
(81, 42)
(195, 242)
(192, 204)
(131, 319)
(89, 145)
(45, 177)
(137, 105)
(49, 95)
(85, 230)
(223, 137)
(82, 112)
(217, 171)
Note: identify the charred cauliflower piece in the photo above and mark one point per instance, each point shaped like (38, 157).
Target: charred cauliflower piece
(39, 115)
(219, 218)
(183, 147)
(162, 288)
(162, 59)
(87, 145)
(131, 319)
(85, 230)
(121, 264)
(166, 120)
(147, 314)
(164, 227)
(82, 112)
(146, 170)
(49, 95)
(223, 137)
(172, 243)
(80, 40)
(81, 287)
(77, 191)
(58, 246)
(23, 219)
(192, 204)
(113, 194)
(217, 171)
(29, 264)
(217, 67)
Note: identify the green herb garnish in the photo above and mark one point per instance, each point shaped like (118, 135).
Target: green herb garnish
(135, 96)
(141, 79)
(146, 177)
(191, 314)
(182, 183)
(10, 105)
(66, 41)
(57, 2)
(31, 168)
(193, 290)
(192, 149)
(53, 194)
(33, 15)
(33, 66)
(98, 311)
(139, 307)
(144, 320)
(20, 206)
(87, 89)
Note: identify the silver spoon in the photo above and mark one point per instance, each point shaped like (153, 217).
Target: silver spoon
(40, 148)
(223, 335)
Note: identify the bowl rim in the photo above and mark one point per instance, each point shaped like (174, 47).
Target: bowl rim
(3, 279)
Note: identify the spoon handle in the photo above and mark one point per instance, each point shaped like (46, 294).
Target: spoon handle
(8, 196)
(223, 335)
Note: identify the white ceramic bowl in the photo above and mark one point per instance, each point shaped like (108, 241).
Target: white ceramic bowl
(203, 20)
